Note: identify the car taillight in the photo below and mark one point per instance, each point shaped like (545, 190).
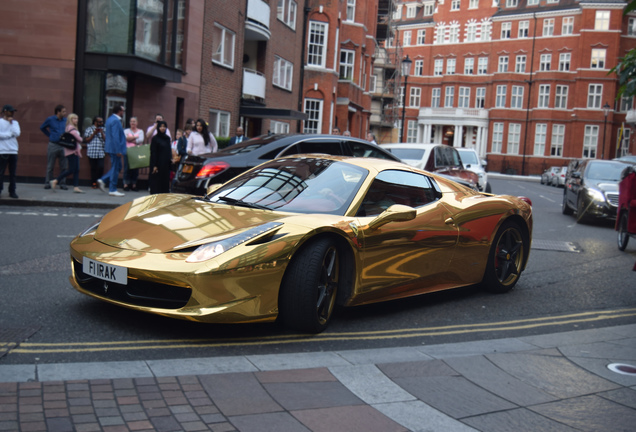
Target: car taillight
(526, 199)
(211, 169)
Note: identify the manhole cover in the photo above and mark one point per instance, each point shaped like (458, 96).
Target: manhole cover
(11, 337)
(623, 369)
(554, 245)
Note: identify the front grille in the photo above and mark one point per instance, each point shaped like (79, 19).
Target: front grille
(612, 198)
(137, 292)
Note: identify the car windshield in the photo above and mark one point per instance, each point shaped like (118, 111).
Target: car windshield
(605, 171)
(407, 153)
(300, 185)
(468, 157)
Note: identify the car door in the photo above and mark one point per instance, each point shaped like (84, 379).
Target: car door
(404, 257)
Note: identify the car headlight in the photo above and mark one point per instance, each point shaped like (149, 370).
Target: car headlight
(210, 250)
(90, 230)
(596, 195)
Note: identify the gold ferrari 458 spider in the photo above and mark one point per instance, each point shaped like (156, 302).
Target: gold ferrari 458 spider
(294, 237)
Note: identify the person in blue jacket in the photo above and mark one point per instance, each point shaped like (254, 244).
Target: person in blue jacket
(115, 147)
(54, 127)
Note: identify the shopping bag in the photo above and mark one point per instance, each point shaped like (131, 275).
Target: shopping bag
(138, 156)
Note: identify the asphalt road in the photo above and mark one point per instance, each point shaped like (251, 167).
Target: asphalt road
(587, 284)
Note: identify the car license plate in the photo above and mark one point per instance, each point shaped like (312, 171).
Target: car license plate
(187, 169)
(107, 272)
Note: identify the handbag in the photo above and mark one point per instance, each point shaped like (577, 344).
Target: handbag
(67, 140)
(138, 156)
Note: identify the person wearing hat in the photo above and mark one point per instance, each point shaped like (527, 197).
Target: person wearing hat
(9, 133)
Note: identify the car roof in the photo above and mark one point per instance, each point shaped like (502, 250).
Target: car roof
(412, 145)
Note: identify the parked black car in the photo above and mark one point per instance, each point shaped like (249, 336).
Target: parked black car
(591, 189)
(196, 173)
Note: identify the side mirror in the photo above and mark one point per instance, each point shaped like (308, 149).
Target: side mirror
(395, 213)
(576, 175)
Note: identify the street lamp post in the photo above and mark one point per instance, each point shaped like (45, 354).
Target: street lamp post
(606, 109)
(406, 70)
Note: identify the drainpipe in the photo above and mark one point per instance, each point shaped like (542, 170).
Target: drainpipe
(525, 137)
(306, 11)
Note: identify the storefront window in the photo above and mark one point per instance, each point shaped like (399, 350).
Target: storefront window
(109, 25)
(93, 96)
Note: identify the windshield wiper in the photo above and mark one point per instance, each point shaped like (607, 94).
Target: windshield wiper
(239, 202)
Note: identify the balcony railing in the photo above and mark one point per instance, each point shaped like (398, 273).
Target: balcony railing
(476, 113)
(254, 84)
(257, 24)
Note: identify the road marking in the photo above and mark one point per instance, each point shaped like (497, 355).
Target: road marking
(81, 215)
(502, 326)
(546, 198)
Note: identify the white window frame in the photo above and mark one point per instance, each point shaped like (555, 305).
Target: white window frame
(283, 73)
(463, 99)
(601, 21)
(567, 26)
(455, 5)
(514, 138)
(548, 27)
(520, 63)
(500, 99)
(590, 141)
(222, 54)
(438, 67)
(540, 136)
(598, 58)
(469, 65)
(512, 3)
(421, 37)
(506, 30)
(219, 123)
(564, 62)
(320, 30)
(347, 64)
(373, 83)
(429, 9)
(561, 97)
(482, 66)
(406, 38)
(415, 97)
(558, 139)
(451, 66)
(533, 2)
(411, 11)
(279, 127)
(524, 29)
(503, 64)
(631, 26)
(436, 97)
(473, 4)
(543, 101)
(418, 70)
(449, 96)
(594, 95)
(286, 12)
(516, 97)
(471, 32)
(480, 97)
(497, 137)
(313, 108)
(351, 10)
(411, 131)
(545, 62)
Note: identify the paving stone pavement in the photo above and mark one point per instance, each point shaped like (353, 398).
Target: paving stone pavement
(554, 382)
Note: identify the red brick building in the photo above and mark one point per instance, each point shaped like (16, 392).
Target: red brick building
(338, 65)
(525, 82)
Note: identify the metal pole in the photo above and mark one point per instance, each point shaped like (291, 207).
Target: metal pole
(604, 131)
(406, 77)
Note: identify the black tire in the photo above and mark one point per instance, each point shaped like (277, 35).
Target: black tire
(488, 188)
(308, 293)
(623, 236)
(581, 210)
(565, 208)
(505, 259)
(542, 180)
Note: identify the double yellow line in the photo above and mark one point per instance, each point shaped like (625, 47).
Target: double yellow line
(502, 326)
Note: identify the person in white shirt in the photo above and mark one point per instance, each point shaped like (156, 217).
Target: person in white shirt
(152, 129)
(134, 137)
(201, 141)
(9, 133)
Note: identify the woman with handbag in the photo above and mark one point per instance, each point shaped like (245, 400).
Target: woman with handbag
(134, 137)
(72, 155)
(160, 160)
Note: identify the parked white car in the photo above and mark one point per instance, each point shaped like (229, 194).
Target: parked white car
(473, 163)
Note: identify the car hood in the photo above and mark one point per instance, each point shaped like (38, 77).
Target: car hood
(168, 222)
(602, 185)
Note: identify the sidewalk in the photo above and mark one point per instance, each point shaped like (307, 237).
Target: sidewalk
(557, 382)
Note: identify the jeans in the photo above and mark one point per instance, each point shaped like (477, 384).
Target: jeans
(10, 160)
(97, 168)
(111, 177)
(130, 175)
(73, 168)
(54, 151)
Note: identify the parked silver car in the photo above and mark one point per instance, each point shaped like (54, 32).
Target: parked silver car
(558, 179)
